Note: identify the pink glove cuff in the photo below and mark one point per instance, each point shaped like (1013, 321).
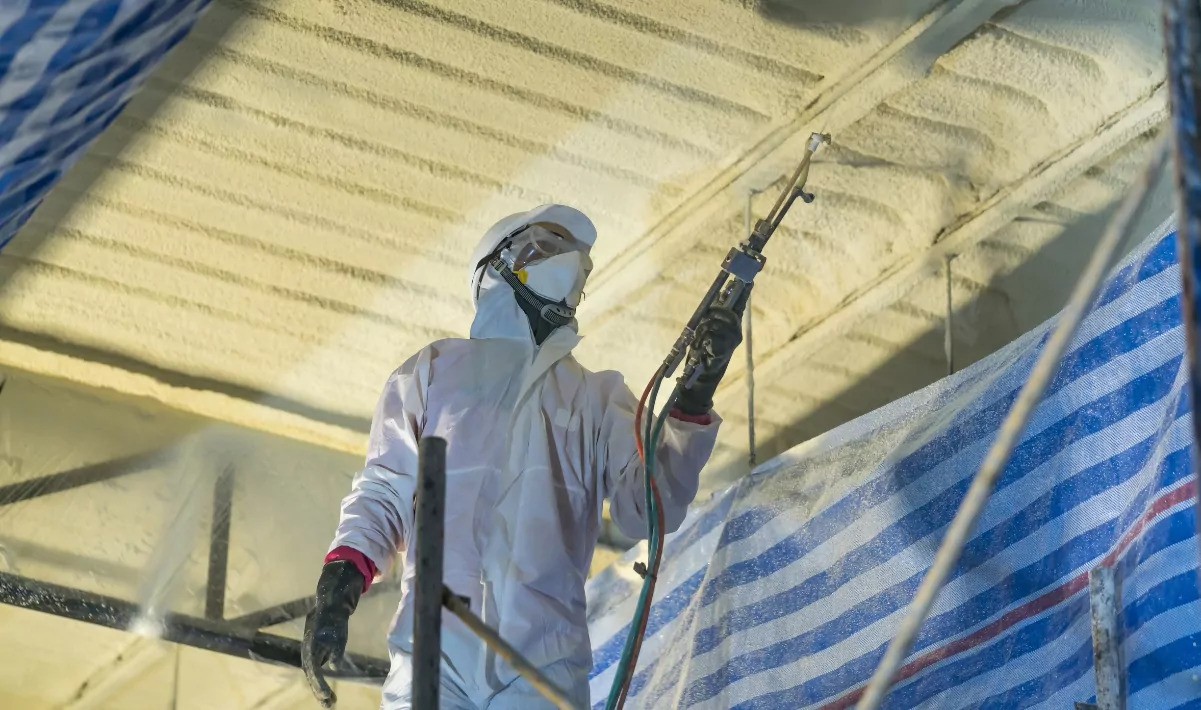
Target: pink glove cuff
(365, 566)
(703, 419)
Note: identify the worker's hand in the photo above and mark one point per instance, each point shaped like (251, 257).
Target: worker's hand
(717, 336)
(327, 627)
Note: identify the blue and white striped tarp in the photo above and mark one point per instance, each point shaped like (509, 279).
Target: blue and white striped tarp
(67, 69)
(784, 591)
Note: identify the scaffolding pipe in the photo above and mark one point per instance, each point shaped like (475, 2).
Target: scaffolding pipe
(223, 493)
(218, 636)
(1107, 643)
(501, 648)
(1010, 433)
(750, 344)
(275, 615)
(1182, 24)
(948, 340)
(427, 596)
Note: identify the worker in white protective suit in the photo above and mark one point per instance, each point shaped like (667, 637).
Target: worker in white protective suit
(535, 443)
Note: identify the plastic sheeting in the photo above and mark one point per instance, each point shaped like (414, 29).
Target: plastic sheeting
(784, 591)
(67, 69)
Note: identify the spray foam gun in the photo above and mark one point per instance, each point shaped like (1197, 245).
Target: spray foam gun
(729, 289)
(738, 271)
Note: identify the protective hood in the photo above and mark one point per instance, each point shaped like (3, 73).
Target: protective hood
(498, 314)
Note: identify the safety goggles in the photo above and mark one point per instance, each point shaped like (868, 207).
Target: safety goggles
(538, 242)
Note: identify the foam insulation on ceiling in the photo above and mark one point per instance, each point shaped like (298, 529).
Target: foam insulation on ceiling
(288, 205)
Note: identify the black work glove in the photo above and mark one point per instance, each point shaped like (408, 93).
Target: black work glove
(326, 627)
(718, 335)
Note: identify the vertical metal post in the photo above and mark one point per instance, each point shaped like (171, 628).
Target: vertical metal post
(1107, 644)
(750, 348)
(427, 597)
(948, 338)
(223, 492)
(1182, 25)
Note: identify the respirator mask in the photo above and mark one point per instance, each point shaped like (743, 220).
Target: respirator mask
(546, 268)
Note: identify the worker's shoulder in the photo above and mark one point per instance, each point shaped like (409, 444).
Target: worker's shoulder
(448, 344)
(596, 378)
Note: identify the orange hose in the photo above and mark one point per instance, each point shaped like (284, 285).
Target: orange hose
(638, 416)
(653, 567)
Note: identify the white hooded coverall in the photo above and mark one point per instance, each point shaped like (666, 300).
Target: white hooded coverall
(535, 443)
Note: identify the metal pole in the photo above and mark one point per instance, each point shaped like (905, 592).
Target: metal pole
(948, 340)
(499, 646)
(223, 492)
(1011, 431)
(427, 597)
(1107, 644)
(750, 347)
(1182, 23)
(277, 614)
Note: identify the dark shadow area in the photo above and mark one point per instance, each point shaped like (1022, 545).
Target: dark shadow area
(814, 14)
(919, 365)
(834, 13)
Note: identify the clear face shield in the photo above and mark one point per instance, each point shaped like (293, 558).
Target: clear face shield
(539, 242)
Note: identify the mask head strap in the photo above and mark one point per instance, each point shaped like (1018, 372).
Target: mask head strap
(557, 314)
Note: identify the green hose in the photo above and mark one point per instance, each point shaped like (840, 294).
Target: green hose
(655, 539)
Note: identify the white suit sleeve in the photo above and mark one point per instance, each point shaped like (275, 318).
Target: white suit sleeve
(378, 513)
(684, 449)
